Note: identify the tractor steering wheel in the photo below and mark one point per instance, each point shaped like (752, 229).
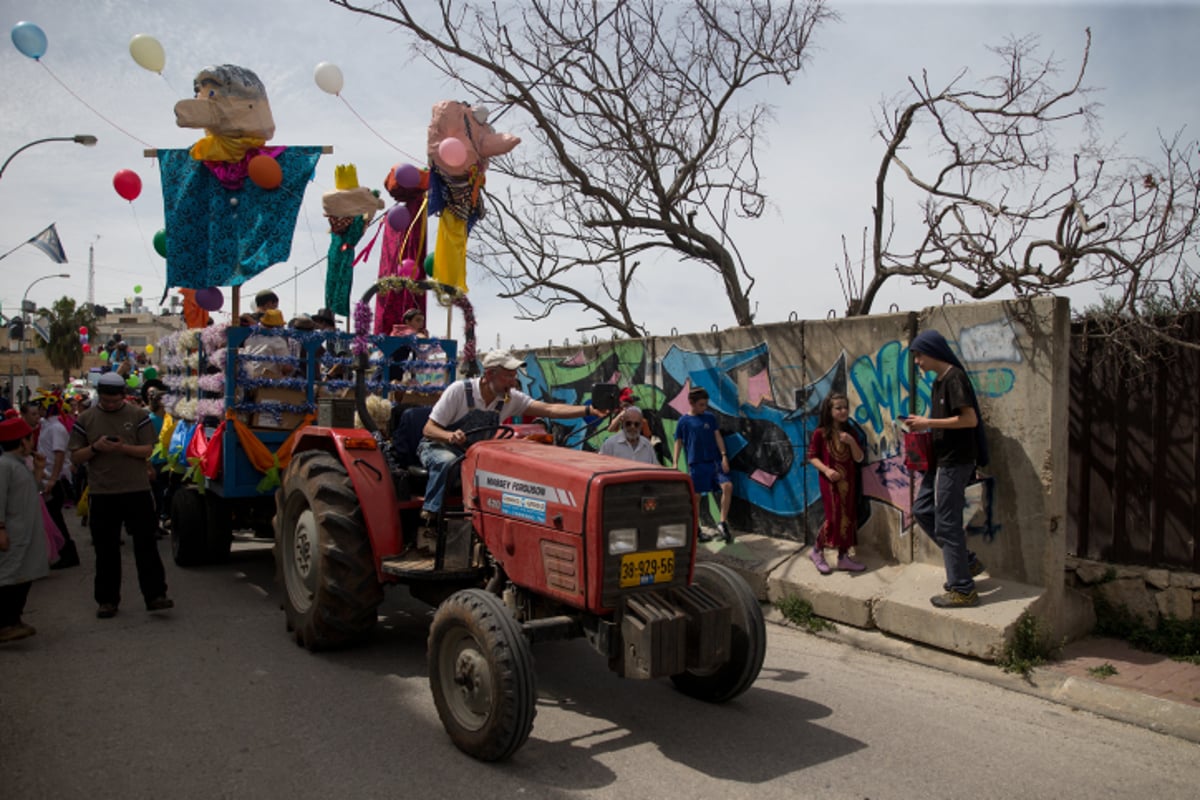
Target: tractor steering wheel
(502, 431)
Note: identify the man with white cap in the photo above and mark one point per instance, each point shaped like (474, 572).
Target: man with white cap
(476, 403)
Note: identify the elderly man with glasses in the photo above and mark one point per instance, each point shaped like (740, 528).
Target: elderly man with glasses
(630, 443)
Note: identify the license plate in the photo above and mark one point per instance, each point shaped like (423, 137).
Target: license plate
(643, 569)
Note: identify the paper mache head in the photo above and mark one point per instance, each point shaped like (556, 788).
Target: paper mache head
(460, 138)
(229, 101)
(348, 199)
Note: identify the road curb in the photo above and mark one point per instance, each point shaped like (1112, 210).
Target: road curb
(1124, 705)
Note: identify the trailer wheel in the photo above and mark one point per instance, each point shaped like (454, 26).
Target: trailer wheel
(748, 639)
(481, 675)
(323, 559)
(218, 528)
(189, 546)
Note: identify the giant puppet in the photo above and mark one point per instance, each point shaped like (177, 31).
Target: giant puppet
(230, 201)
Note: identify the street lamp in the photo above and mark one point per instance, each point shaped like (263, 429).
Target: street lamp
(25, 315)
(82, 138)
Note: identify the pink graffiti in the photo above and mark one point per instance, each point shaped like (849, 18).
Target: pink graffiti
(758, 388)
(887, 481)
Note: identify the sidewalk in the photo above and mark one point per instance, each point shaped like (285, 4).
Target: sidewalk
(1144, 689)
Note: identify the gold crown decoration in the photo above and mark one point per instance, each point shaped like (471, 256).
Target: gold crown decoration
(345, 176)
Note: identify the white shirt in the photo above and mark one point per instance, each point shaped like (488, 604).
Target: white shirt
(452, 405)
(617, 445)
(52, 439)
(260, 345)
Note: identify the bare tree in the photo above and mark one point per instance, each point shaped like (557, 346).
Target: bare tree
(1004, 203)
(644, 135)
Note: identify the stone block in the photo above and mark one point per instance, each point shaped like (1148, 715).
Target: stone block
(1188, 580)
(1158, 578)
(1131, 594)
(1091, 572)
(1175, 602)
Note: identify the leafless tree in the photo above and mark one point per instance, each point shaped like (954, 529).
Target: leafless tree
(1005, 203)
(644, 136)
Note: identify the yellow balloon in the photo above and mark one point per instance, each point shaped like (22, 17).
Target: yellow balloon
(147, 52)
(149, 349)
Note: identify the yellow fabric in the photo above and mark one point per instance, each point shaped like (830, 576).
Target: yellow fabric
(450, 252)
(214, 147)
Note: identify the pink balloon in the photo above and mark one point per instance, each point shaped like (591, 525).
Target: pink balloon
(407, 176)
(399, 219)
(453, 152)
(210, 299)
(128, 184)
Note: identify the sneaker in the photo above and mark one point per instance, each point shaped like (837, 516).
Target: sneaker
(14, 633)
(953, 599)
(726, 534)
(160, 604)
(818, 557)
(704, 537)
(848, 564)
(106, 611)
(977, 568)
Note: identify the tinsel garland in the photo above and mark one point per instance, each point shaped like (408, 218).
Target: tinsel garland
(362, 327)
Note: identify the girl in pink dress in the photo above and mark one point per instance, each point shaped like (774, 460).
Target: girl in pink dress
(835, 452)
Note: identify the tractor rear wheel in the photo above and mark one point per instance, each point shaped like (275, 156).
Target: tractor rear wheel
(189, 546)
(748, 639)
(323, 559)
(481, 675)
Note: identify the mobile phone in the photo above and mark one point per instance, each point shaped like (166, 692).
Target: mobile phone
(113, 438)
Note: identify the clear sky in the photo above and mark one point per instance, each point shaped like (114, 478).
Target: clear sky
(818, 168)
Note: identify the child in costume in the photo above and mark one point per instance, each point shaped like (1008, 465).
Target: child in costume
(835, 452)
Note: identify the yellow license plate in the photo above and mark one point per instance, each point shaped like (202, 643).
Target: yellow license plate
(642, 569)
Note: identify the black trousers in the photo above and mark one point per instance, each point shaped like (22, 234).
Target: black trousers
(134, 510)
(12, 603)
(54, 504)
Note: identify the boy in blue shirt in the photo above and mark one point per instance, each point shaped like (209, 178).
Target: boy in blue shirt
(707, 461)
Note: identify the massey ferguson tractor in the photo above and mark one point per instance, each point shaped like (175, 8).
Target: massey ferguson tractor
(547, 542)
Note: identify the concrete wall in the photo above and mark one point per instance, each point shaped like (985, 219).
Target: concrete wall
(766, 384)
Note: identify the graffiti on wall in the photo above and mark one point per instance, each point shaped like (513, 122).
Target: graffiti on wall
(767, 430)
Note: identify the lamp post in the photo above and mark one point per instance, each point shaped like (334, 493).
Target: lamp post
(25, 316)
(81, 138)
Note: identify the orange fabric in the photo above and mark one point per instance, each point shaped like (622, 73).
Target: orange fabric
(193, 315)
(260, 457)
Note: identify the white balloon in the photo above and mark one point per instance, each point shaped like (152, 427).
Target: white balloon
(148, 52)
(328, 77)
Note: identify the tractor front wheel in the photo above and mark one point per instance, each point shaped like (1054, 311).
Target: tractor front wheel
(748, 639)
(481, 675)
(323, 558)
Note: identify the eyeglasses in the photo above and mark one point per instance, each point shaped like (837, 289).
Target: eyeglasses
(632, 424)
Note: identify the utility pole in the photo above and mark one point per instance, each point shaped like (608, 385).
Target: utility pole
(91, 295)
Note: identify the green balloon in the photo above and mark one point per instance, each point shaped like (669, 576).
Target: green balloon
(137, 289)
(429, 265)
(149, 373)
(160, 243)
(133, 381)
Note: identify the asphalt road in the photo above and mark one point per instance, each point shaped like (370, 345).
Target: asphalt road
(214, 700)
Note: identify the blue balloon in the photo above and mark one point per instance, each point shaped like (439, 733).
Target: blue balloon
(29, 39)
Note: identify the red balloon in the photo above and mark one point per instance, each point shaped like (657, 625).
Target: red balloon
(83, 331)
(87, 348)
(265, 172)
(128, 184)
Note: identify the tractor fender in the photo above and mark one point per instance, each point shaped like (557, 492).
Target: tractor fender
(372, 481)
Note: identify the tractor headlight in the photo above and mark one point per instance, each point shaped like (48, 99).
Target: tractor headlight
(674, 535)
(622, 540)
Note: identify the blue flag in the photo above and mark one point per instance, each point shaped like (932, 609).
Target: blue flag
(47, 241)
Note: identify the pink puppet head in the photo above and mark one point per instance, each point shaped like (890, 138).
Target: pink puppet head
(461, 138)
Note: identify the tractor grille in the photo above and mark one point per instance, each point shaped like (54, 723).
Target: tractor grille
(645, 506)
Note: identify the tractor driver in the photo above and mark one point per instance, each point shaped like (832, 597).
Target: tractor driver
(476, 403)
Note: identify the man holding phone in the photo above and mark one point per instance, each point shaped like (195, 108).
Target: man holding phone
(115, 440)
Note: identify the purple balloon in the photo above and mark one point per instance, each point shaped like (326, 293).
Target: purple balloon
(407, 176)
(210, 299)
(399, 219)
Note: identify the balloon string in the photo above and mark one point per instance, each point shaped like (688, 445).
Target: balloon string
(377, 133)
(94, 111)
(142, 237)
(168, 83)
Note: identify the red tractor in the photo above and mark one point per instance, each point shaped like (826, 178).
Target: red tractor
(547, 543)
